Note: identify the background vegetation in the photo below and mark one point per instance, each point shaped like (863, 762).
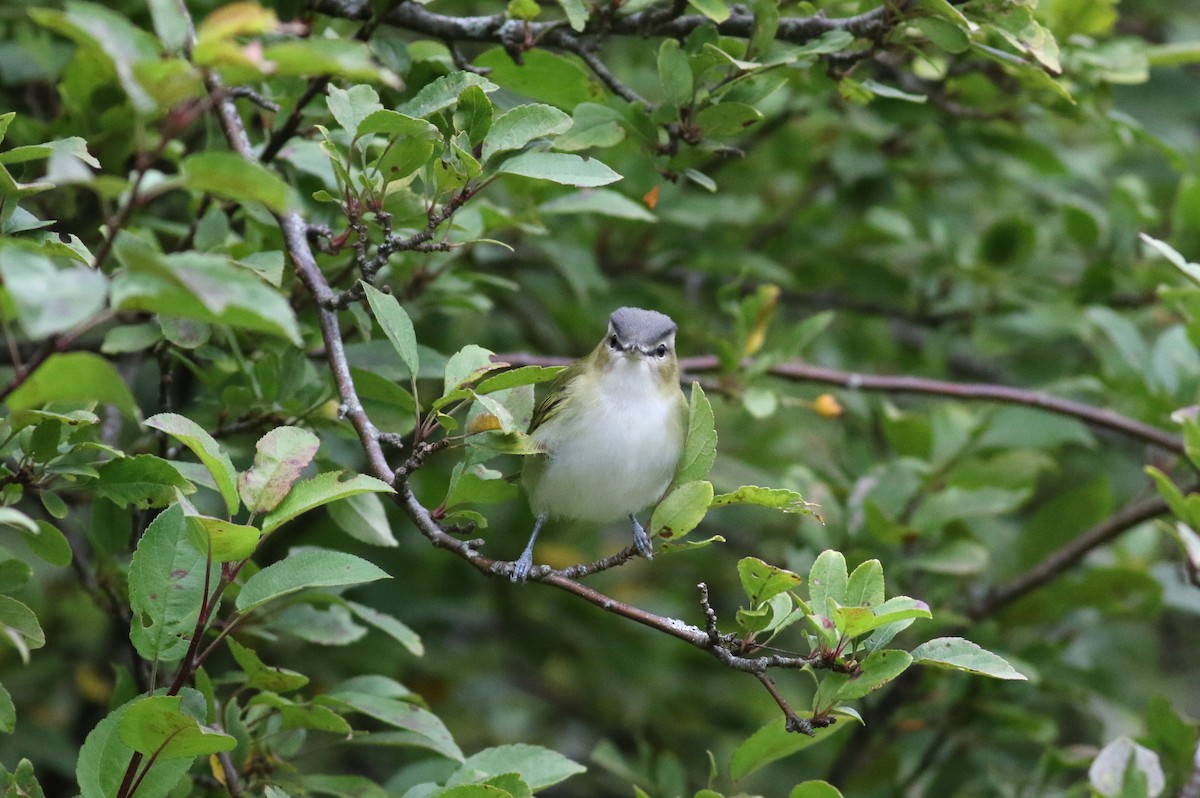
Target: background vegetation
(929, 264)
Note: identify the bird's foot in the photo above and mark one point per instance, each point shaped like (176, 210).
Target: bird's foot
(521, 567)
(641, 541)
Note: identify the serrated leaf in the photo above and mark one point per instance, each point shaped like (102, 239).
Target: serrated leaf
(279, 457)
(19, 627)
(674, 73)
(700, 446)
(156, 725)
(538, 767)
(232, 177)
(142, 481)
(716, 10)
(827, 579)
(321, 489)
(599, 202)
(74, 377)
(396, 324)
(443, 92)
(772, 742)
(963, 655)
(465, 365)
(205, 447)
(866, 587)
(390, 626)
(762, 581)
(260, 676)
(517, 127)
(166, 583)
(681, 510)
(362, 517)
(560, 167)
(422, 728)
(226, 540)
(787, 501)
(306, 569)
(104, 757)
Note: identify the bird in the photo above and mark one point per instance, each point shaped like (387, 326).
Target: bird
(610, 431)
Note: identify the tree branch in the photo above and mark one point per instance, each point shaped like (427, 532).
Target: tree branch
(1126, 518)
(885, 383)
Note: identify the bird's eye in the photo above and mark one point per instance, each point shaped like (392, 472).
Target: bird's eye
(612, 341)
(662, 350)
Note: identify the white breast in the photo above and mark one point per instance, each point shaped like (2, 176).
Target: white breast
(613, 453)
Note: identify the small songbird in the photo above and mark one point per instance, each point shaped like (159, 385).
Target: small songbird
(612, 429)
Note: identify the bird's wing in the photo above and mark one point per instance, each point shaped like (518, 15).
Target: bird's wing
(554, 398)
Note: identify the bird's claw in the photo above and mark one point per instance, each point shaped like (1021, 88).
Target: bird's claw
(641, 541)
(521, 568)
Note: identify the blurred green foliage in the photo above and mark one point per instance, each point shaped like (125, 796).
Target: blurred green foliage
(953, 191)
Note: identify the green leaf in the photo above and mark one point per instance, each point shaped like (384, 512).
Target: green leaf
(50, 297)
(675, 73)
(444, 92)
(773, 742)
(542, 76)
(142, 481)
(362, 517)
(8, 711)
(466, 365)
(19, 627)
(700, 446)
(104, 757)
(963, 655)
(879, 668)
(560, 167)
(1110, 770)
(895, 609)
(74, 377)
(166, 584)
(515, 378)
(419, 727)
(306, 569)
(538, 767)
(815, 789)
(314, 55)
(477, 484)
(1187, 269)
(232, 177)
(395, 124)
(325, 626)
(227, 541)
(351, 107)
(865, 588)
(787, 501)
(946, 35)
(577, 14)
(762, 582)
(321, 489)
(279, 457)
(514, 129)
(598, 202)
(681, 511)
(396, 324)
(390, 626)
(827, 580)
(201, 286)
(260, 676)
(111, 35)
(205, 447)
(716, 10)
(474, 115)
(157, 725)
(11, 516)
(50, 545)
(592, 125)
(727, 119)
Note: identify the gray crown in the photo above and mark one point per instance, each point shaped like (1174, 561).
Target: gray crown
(637, 327)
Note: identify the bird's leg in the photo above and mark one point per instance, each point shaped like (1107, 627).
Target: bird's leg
(524, 563)
(641, 541)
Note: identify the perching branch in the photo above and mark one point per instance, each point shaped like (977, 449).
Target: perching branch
(886, 383)
(294, 231)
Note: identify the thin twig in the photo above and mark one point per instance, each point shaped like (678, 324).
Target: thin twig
(1044, 572)
(886, 383)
